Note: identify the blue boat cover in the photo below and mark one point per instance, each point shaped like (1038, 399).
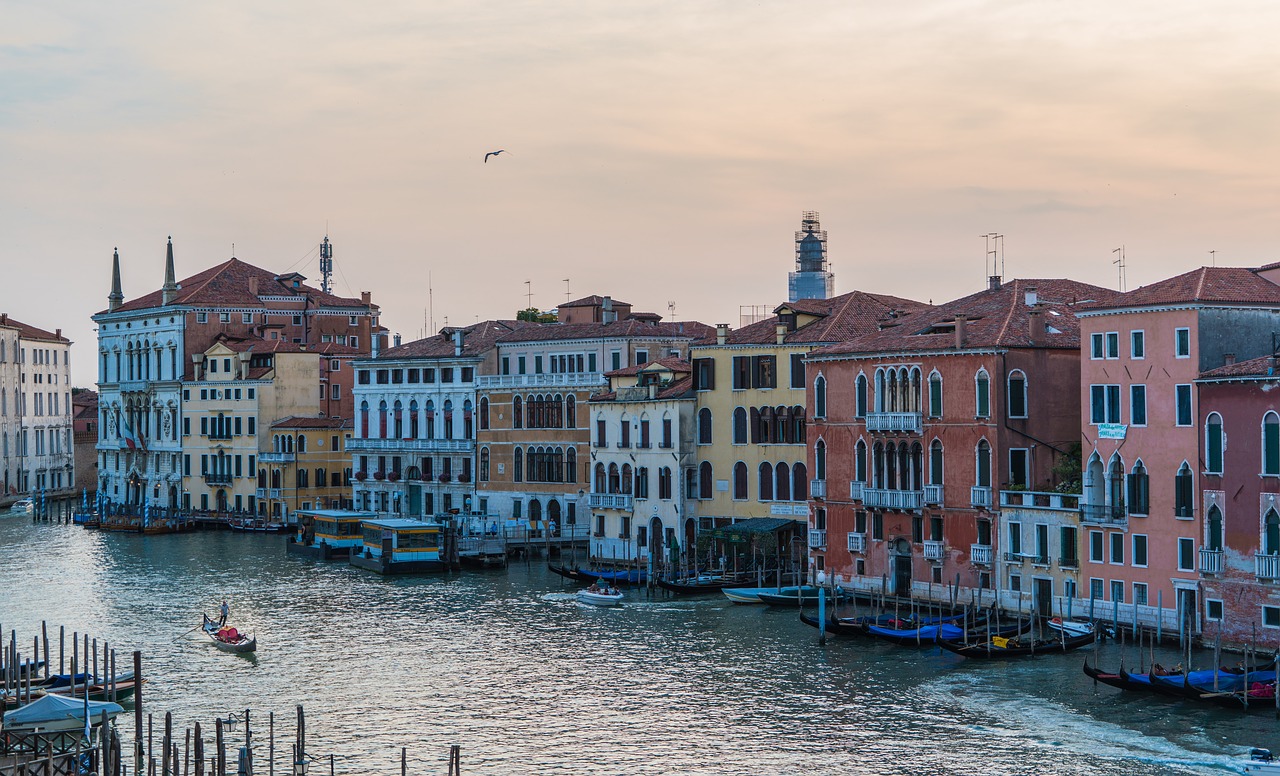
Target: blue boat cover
(45, 711)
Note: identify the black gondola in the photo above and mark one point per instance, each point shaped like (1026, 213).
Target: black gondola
(990, 649)
(698, 585)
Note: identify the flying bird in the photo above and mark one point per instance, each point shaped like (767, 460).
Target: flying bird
(493, 153)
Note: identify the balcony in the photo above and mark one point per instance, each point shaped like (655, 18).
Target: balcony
(220, 435)
(857, 542)
(934, 551)
(980, 554)
(855, 490)
(1040, 499)
(1014, 557)
(892, 499)
(1103, 514)
(933, 494)
(817, 539)
(610, 500)
(276, 457)
(1267, 566)
(266, 494)
(217, 478)
(1211, 561)
(1069, 563)
(422, 445)
(896, 422)
(817, 488)
(588, 379)
(980, 496)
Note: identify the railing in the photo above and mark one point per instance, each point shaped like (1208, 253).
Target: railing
(222, 435)
(1211, 561)
(539, 381)
(980, 554)
(855, 490)
(934, 550)
(857, 542)
(894, 421)
(610, 500)
(1013, 557)
(817, 539)
(439, 445)
(892, 499)
(1103, 514)
(1267, 566)
(933, 494)
(1039, 499)
(980, 496)
(270, 493)
(217, 478)
(1069, 562)
(818, 488)
(276, 457)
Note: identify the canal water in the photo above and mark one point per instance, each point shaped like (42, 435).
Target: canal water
(508, 665)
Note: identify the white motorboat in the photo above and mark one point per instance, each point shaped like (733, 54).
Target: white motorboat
(22, 505)
(1261, 762)
(600, 596)
(1072, 627)
(58, 713)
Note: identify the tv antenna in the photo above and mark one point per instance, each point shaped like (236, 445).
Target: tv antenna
(326, 264)
(994, 254)
(1213, 258)
(528, 292)
(671, 310)
(1120, 266)
(566, 289)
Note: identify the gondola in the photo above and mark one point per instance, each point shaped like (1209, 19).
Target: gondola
(850, 626)
(697, 585)
(930, 634)
(1198, 685)
(588, 576)
(996, 648)
(228, 639)
(800, 596)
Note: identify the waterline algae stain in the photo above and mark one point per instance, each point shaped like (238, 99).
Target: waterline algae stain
(510, 666)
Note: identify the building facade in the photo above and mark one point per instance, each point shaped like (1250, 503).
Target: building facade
(1146, 486)
(306, 466)
(84, 421)
(36, 436)
(642, 444)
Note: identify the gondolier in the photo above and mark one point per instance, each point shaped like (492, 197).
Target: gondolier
(224, 611)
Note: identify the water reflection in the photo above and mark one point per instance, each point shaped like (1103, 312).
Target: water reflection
(528, 680)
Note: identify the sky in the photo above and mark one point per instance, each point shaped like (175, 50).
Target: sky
(660, 152)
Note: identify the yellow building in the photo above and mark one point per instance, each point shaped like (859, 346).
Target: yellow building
(750, 425)
(305, 466)
(241, 387)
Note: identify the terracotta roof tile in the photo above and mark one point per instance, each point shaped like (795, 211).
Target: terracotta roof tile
(477, 338)
(27, 331)
(842, 318)
(552, 332)
(1217, 285)
(678, 389)
(595, 300)
(995, 318)
(303, 422)
(673, 364)
(1263, 366)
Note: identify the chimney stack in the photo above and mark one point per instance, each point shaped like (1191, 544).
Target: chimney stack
(395, 341)
(116, 297)
(1035, 323)
(960, 320)
(374, 342)
(253, 286)
(57, 333)
(722, 333)
(607, 314)
(1228, 359)
(458, 334)
(780, 330)
(365, 298)
(1032, 298)
(4, 318)
(993, 283)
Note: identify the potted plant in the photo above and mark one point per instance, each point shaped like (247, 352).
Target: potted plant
(394, 476)
(444, 478)
(362, 475)
(379, 476)
(464, 478)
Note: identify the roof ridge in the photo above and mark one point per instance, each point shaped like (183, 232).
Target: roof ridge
(1008, 311)
(219, 270)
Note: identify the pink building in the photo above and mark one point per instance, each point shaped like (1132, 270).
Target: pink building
(1143, 475)
(920, 425)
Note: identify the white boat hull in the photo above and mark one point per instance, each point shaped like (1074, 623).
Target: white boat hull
(599, 599)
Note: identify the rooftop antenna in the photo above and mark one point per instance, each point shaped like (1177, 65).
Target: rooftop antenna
(993, 259)
(431, 306)
(566, 289)
(671, 310)
(426, 324)
(1120, 266)
(1213, 258)
(326, 264)
(528, 292)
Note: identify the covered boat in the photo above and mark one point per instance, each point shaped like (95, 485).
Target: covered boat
(806, 595)
(58, 713)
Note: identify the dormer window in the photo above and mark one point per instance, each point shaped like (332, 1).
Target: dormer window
(788, 320)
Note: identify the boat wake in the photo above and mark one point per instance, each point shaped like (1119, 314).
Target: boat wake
(560, 597)
(1056, 729)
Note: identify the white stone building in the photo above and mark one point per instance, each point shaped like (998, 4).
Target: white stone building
(36, 437)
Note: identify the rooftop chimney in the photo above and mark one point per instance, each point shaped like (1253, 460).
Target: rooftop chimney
(722, 333)
(458, 334)
(253, 286)
(57, 334)
(1032, 298)
(169, 292)
(1035, 323)
(116, 297)
(780, 331)
(960, 319)
(4, 318)
(395, 341)
(365, 298)
(607, 314)
(1228, 359)
(374, 342)
(993, 283)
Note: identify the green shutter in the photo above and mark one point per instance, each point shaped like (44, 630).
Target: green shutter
(1215, 446)
(1271, 447)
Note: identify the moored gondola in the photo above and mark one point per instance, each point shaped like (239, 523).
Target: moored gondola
(1001, 647)
(930, 634)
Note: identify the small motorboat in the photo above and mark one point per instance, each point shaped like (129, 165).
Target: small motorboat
(1072, 628)
(58, 713)
(1261, 762)
(746, 595)
(22, 505)
(227, 638)
(600, 595)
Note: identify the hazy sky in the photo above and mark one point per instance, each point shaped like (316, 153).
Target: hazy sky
(657, 151)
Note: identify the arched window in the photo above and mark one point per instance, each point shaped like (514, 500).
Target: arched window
(706, 480)
(484, 464)
(517, 413)
(397, 420)
(535, 511)
(517, 465)
(1139, 490)
(797, 423)
(1271, 444)
(382, 420)
(600, 485)
(800, 482)
(364, 420)
(626, 478)
(860, 462)
(739, 426)
(413, 420)
(704, 427)
(740, 481)
(615, 483)
(984, 464)
(484, 413)
(765, 485)
(468, 424)
(820, 397)
(1184, 492)
(935, 462)
(1271, 545)
(302, 443)
(570, 412)
(1214, 529)
(1115, 484)
(1017, 394)
(935, 394)
(1213, 443)
(448, 419)
(765, 434)
(571, 464)
(982, 390)
(860, 396)
(782, 482)
(430, 413)
(820, 460)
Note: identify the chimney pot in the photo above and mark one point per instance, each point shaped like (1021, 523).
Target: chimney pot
(993, 283)
(1032, 297)
(365, 298)
(781, 331)
(1228, 359)
(57, 333)
(1035, 324)
(396, 340)
(458, 334)
(722, 333)
(960, 333)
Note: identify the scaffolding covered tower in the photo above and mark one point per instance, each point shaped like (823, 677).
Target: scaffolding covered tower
(812, 278)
